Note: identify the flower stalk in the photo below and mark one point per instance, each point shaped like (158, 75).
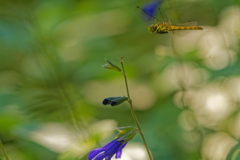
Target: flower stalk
(132, 110)
(3, 150)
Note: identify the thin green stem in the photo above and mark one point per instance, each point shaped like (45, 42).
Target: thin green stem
(133, 113)
(3, 150)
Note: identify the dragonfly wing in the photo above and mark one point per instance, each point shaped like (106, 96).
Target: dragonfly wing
(188, 24)
(181, 33)
(165, 20)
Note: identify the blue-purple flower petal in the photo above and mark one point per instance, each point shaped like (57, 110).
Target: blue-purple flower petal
(119, 154)
(109, 145)
(122, 146)
(114, 147)
(108, 157)
(151, 8)
(94, 153)
(107, 151)
(100, 156)
(119, 151)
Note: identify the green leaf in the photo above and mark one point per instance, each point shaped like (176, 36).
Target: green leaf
(126, 133)
(111, 66)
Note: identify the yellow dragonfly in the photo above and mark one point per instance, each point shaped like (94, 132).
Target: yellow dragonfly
(166, 26)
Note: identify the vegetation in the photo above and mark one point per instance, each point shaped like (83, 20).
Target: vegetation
(185, 90)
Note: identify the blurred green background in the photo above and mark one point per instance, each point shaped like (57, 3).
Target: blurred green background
(185, 90)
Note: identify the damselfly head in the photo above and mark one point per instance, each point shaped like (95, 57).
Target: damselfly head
(151, 28)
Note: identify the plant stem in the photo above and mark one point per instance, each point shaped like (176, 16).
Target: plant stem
(132, 110)
(3, 150)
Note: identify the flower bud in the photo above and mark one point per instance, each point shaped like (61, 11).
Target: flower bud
(126, 133)
(111, 66)
(114, 101)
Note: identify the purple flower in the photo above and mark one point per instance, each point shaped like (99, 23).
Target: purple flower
(151, 8)
(108, 151)
(115, 147)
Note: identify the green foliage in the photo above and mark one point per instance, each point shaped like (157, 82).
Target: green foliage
(52, 85)
(126, 133)
(111, 66)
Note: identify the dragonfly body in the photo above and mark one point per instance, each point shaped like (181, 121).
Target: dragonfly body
(161, 28)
